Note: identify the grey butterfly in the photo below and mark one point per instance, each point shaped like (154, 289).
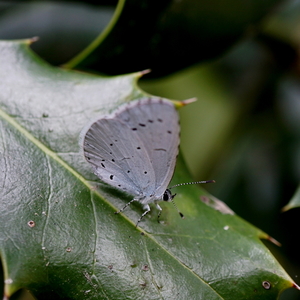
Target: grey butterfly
(134, 149)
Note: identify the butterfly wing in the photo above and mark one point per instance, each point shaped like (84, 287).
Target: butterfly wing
(135, 148)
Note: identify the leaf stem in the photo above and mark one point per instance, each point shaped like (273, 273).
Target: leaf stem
(92, 46)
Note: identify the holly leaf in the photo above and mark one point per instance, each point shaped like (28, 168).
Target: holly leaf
(58, 230)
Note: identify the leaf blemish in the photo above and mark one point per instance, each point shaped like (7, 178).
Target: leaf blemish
(31, 224)
(145, 268)
(266, 285)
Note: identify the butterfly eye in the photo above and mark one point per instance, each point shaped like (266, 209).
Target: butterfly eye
(167, 195)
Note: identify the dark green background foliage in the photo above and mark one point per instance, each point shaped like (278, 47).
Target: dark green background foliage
(240, 59)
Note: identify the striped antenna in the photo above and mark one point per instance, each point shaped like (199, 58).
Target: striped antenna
(195, 182)
(180, 213)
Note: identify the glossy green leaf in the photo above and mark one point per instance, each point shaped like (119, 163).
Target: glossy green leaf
(58, 230)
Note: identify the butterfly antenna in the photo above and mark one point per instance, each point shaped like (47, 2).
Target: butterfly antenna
(195, 182)
(180, 213)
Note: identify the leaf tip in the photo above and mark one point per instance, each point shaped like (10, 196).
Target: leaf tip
(286, 208)
(188, 101)
(144, 72)
(182, 103)
(296, 286)
(272, 240)
(33, 39)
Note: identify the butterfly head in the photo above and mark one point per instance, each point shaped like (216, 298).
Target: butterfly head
(167, 196)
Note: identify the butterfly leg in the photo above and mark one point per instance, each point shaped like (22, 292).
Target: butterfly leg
(127, 204)
(159, 211)
(147, 209)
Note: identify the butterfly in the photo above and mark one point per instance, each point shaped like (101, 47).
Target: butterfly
(134, 149)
